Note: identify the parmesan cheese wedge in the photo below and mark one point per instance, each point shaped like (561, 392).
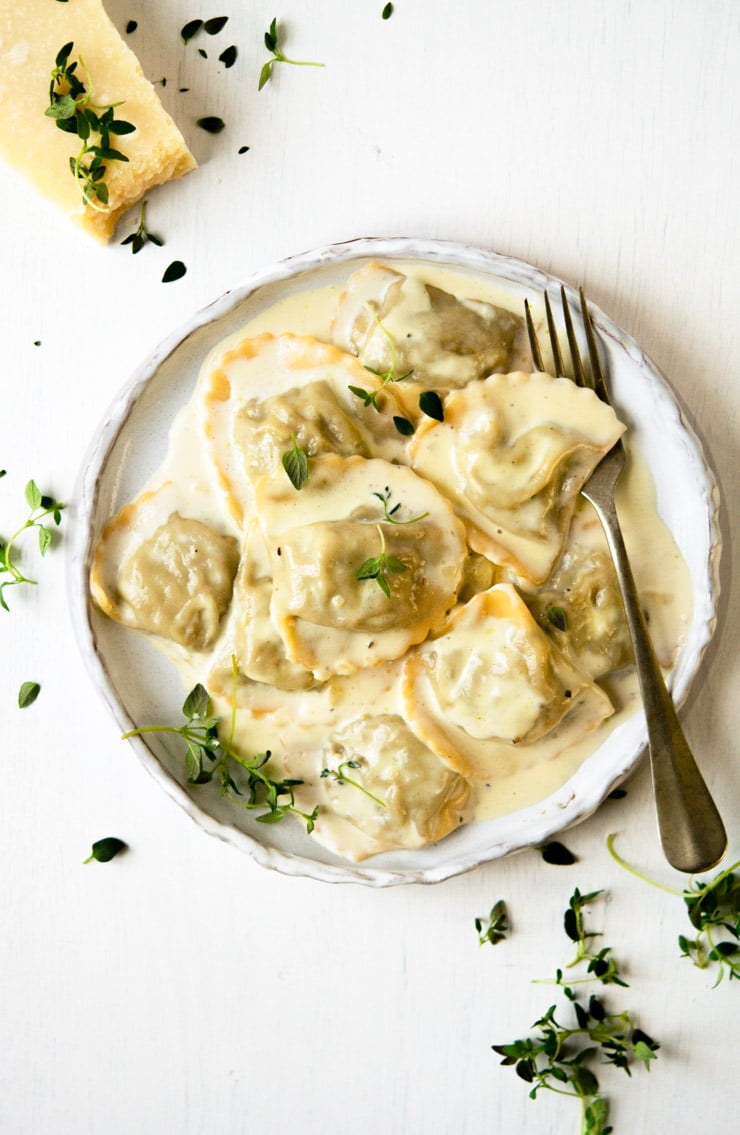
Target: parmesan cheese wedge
(31, 34)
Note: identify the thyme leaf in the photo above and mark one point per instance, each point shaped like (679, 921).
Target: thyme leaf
(28, 693)
(295, 464)
(103, 850)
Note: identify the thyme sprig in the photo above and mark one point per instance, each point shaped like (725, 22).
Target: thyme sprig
(557, 1057)
(389, 514)
(381, 566)
(41, 506)
(370, 397)
(497, 928)
(208, 756)
(713, 908)
(273, 46)
(141, 235)
(341, 777)
(71, 106)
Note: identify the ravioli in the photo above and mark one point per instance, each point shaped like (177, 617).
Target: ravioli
(172, 579)
(512, 455)
(267, 390)
(491, 695)
(389, 319)
(331, 621)
(418, 799)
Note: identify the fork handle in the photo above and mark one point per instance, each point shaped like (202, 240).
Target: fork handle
(691, 830)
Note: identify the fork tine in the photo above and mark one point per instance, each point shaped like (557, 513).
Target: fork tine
(579, 376)
(534, 346)
(597, 371)
(557, 354)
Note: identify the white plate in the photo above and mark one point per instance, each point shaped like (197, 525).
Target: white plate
(140, 687)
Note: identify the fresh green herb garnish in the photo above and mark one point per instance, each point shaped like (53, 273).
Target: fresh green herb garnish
(497, 927)
(142, 236)
(211, 124)
(557, 617)
(191, 28)
(272, 45)
(403, 425)
(295, 464)
(215, 25)
(557, 854)
(602, 967)
(389, 514)
(387, 12)
(430, 404)
(550, 1059)
(339, 775)
(103, 850)
(72, 108)
(370, 397)
(41, 506)
(380, 566)
(228, 56)
(209, 756)
(28, 693)
(174, 271)
(713, 907)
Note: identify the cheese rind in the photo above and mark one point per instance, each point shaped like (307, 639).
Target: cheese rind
(31, 142)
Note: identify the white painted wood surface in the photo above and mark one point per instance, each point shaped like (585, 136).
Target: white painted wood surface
(181, 988)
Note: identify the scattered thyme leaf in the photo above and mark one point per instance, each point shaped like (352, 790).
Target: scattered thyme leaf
(243, 149)
(430, 404)
(497, 927)
(712, 907)
(103, 850)
(341, 777)
(191, 28)
(295, 464)
(228, 56)
(74, 112)
(40, 507)
(557, 617)
(387, 12)
(141, 235)
(174, 271)
(215, 24)
(271, 40)
(211, 756)
(557, 854)
(131, 27)
(211, 124)
(403, 425)
(203, 53)
(617, 794)
(28, 693)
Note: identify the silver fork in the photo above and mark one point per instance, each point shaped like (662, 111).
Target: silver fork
(691, 830)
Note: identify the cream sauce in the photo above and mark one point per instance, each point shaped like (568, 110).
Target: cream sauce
(295, 724)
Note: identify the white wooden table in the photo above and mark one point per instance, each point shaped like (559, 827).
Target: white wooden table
(182, 988)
